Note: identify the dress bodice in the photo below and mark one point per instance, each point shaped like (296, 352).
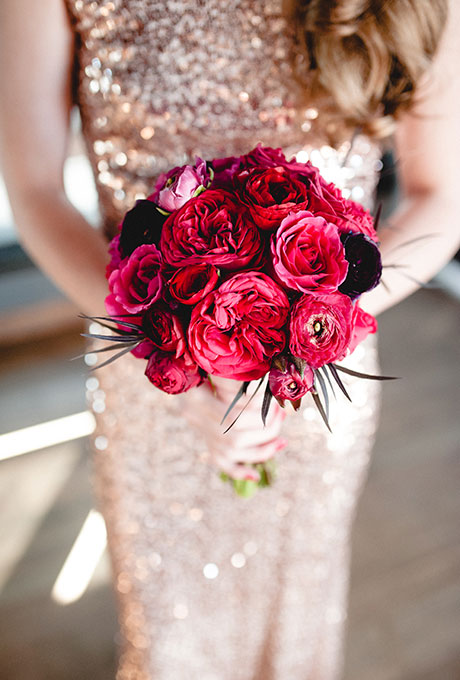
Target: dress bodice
(162, 81)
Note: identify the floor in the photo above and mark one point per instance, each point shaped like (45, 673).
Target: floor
(404, 621)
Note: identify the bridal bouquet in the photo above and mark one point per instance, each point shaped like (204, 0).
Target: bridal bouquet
(248, 268)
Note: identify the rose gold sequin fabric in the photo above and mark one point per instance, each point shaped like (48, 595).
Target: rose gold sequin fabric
(212, 586)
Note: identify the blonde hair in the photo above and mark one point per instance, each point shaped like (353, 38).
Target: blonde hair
(362, 60)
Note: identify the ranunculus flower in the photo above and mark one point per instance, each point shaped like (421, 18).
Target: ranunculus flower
(364, 264)
(271, 195)
(287, 382)
(321, 328)
(308, 254)
(214, 229)
(363, 325)
(191, 284)
(141, 225)
(136, 285)
(164, 330)
(237, 329)
(173, 374)
(180, 184)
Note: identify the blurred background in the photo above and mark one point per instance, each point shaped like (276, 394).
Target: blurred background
(57, 615)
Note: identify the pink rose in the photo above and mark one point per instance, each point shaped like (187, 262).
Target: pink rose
(180, 184)
(287, 382)
(308, 254)
(191, 284)
(173, 374)
(363, 325)
(136, 285)
(164, 330)
(237, 329)
(321, 327)
(271, 194)
(212, 228)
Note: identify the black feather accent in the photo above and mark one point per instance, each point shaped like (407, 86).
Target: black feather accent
(357, 374)
(320, 408)
(336, 377)
(266, 403)
(242, 391)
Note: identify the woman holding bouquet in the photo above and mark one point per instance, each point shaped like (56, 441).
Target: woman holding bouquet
(211, 585)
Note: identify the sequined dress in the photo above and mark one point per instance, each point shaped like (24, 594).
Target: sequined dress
(211, 586)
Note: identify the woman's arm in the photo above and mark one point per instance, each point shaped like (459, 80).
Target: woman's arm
(428, 156)
(36, 57)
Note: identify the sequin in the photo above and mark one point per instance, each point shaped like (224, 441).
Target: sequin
(211, 585)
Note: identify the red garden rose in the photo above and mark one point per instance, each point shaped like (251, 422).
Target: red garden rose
(327, 201)
(271, 195)
(321, 328)
(237, 329)
(355, 218)
(308, 254)
(136, 285)
(363, 325)
(211, 228)
(164, 330)
(191, 284)
(173, 374)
